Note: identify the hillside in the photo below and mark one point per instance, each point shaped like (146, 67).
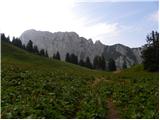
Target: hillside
(38, 87)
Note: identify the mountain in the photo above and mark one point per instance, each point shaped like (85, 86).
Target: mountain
(121, 54)
(71, 42)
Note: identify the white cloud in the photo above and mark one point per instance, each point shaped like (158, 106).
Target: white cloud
(19, 15)
(154, 16)
(98, 31)
(50, 15)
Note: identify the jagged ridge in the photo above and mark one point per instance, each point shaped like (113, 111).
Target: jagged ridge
(71, 42)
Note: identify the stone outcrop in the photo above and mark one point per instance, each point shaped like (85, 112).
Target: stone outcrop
(71, 42)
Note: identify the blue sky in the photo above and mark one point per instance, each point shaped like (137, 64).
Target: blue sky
(134, 19)
(110, 21)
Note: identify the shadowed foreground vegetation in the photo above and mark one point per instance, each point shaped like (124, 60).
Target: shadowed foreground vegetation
(37, 87)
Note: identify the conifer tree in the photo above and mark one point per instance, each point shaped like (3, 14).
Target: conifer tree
(17, 42)
(111, 65)
(67, 59)
(81, 62)
(150, 53)
(58, 56)
(35, 49)
(96, 62)
(73, 59)
(88, 64)
(46, 53)
(29, 46)
(42, 53)
(124, 65)
(4, 38)
(23, 46)
(54, 56)
(99, 62)
(103, 63)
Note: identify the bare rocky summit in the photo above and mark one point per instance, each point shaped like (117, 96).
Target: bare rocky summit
(71, 42)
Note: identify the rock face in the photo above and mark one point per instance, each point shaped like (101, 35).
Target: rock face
(71, 42)
(121, 54)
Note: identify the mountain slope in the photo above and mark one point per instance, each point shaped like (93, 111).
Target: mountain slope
(37, 87)
(71, 42)
(121, 54)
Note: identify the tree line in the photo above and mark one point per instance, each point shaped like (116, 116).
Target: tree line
(29, 46)
(150, 54)
(98, 62)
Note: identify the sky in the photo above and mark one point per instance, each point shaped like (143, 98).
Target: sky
(110, 21)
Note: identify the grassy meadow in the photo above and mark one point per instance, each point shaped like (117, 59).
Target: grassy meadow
(37, 87)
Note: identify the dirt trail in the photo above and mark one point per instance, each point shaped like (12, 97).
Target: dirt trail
(112, 111)
(117, 71)
(96, 82)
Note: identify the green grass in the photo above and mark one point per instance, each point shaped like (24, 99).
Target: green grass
(37, 87)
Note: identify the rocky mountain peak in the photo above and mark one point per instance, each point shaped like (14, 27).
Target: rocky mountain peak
(98, 42)
(71, 42)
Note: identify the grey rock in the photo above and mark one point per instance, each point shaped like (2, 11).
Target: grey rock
(71, 42)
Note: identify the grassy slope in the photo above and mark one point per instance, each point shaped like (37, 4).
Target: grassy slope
(36, 87)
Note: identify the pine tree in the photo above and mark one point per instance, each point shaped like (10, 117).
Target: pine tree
(23, 46)
(29, 46)
(96, 62)
(4, 38)
(54, 56)
(111, 65)
(150, 53)
(67, 59)
(8, 39)
(46, 53)
(103, 63)
(35, 49)
(81, 62)
(17, 42)
(57, 56)
(124, 65)
(42, 53)
(88, 64)
(73, 59)
(99, 62)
